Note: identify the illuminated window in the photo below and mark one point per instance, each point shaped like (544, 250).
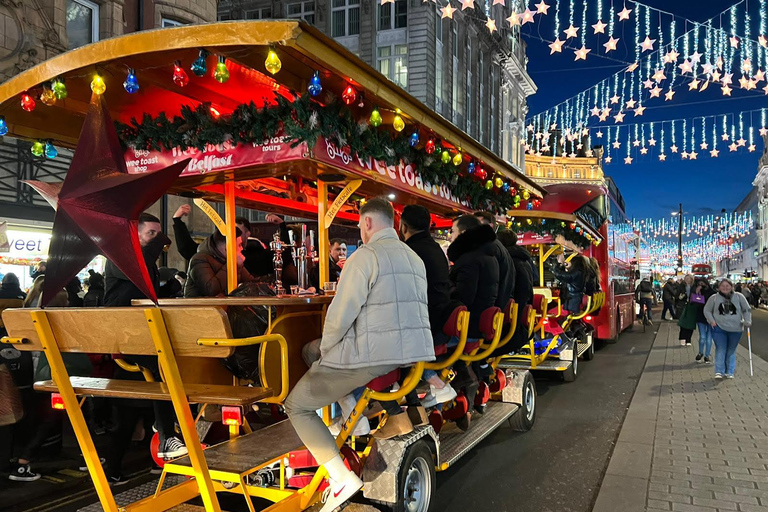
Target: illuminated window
(393, 63)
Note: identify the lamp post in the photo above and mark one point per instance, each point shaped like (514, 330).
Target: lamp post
(679, 215)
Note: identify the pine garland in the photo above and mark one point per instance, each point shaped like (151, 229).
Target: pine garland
(543, 227)
(304, 120)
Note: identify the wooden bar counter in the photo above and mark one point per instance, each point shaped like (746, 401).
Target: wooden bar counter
(298, 318)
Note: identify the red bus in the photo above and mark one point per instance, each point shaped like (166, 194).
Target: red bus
(595, 211)
(702, 270)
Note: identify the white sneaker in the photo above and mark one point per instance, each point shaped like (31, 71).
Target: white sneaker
(172, 448)
(682, 343)
(438, 396)
(363, 427)
(729, 376)
(339, 492)
(718, 375)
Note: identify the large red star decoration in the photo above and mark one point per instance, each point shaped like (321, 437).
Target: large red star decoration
(98, 206)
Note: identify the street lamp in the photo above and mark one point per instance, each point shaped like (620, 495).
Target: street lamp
(679, 215)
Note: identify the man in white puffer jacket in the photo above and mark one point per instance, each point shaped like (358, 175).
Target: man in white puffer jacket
(377, 322)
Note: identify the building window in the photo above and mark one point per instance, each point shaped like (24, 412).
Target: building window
(438, 61)
(302, 10)
(82, 23)
(165, 22)
(345, 18)
(225, 17)
(494, 126)
(470, 92)
(387, 21)
(263, 13)
(393, 63)
(481, 80)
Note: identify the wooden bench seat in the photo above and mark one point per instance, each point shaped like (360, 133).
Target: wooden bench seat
(243, 454)
(196, 393)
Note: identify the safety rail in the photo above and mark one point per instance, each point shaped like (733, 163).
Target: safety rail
(462, 325)
(498, 321)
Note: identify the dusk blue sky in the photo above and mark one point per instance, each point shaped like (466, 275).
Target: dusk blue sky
(652, 188)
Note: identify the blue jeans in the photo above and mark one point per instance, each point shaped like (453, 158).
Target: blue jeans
(705, 339)
(648, 303)
(726, 343)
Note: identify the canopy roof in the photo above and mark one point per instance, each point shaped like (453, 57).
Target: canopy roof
(303, 51)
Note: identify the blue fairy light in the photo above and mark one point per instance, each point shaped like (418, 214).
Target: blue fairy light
(3, 126)
(131, 84)
(414, 140)
(315, 87)
(50, 151)
(471, 168)
(200, 66)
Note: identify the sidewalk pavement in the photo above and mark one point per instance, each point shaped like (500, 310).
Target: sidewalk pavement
(690, 443)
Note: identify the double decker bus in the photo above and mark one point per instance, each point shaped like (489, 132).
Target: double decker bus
(581, 197)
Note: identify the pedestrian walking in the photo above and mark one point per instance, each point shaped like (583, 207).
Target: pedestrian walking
(686, 312)
(668, 293)
(728, 312)
(699, 296)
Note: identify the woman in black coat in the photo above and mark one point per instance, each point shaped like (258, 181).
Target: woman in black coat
(573, 274)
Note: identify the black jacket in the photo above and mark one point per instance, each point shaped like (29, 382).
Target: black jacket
(185, 244)
(207, 274)
(506, 273)
(475, 273)
(707, 293)
(574, 282)
(119, 290)
(523, 290)
(438, 280)
(12, 292)
(334, 271)
(668, 292)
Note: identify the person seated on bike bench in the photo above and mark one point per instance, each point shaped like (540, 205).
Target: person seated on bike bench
(377, 322)
(644, 295)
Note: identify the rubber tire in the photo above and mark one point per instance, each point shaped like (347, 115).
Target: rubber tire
(523, 420)
(572, 372)
(420, 449)
(590, 353)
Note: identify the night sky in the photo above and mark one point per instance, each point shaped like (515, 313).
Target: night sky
(652, 188)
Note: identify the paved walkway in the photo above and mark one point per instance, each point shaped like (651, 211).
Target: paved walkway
(690, 443)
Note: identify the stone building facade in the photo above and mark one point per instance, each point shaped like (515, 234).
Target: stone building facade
(471, 77)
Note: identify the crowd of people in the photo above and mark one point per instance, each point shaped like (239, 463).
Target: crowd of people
(398, 273)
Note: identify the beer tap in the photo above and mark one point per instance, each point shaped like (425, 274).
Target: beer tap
(277, 260)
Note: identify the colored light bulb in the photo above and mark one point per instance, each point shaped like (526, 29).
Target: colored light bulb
(429, 147)
(505, 187)
(315, 87)
(375, 119)
(513, 191)
(414, 140)
(530, 206)
(221, 74)
(498, 182)
(3, 126)
(471, 168)
(98, 86)
(131, 84)
(27, 102)
(47, 97)
(180, 76)
(458, 158)
(51, 151)
(200, 66)
(398, 124)
(445, 157)
(349, 95)
(489, 185)
(526, 195)
(59, 89)
(273, 63)
(481, 174)
(37, 148)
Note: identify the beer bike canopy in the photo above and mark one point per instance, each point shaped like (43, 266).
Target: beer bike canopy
(258, 100)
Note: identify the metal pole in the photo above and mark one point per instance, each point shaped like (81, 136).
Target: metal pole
(680, 239)
(749, 344)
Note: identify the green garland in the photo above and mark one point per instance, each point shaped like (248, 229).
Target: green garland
(305, 120)
(543, 227)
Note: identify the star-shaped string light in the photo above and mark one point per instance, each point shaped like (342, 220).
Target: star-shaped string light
(526, 17)
(704, 146)
(693, 155)
(643, 151)
(659, 75)
(599, 27)
(608, 159)
(651, 141)
(556, 46)
(746, 66)
(632, 67)
(619, 118)
(686, 67)
(734, 42)
(762, 40)
(733, 147)
(708, 68)
(743, 82)
(467, 4)
(639, 111)
(716, 76)
(491, 25)
(631, 103)
(514, 20)
(647, 44)
(741, 142)
(662, 157)
(624, 14)
(628, 160)
(695, 57)
(636, 143)
(98, 206)
(714, 153)
(447, 11)
(656, 92)
(684, 155)
(726, 137)
(616, 144)
(766, 90)
(759, 75)
(671, 57)
(694, 84)
(669, 95)
(752, 148)
(726, 90)
(648, 84)
(571, 32)
(581, 53)
(673, 148)
(615, 99)
(610, 45)
(763, 131)
(541, 8)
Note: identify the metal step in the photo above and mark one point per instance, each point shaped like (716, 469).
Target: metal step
(140, 492)
(582, 347)
(555, 365)
(454, 443)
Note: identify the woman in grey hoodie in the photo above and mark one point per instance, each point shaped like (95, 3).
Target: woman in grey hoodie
(728, 312)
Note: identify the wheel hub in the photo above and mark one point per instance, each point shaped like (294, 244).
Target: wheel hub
(417, 488)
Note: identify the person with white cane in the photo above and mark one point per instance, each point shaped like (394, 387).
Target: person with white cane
(728, 313)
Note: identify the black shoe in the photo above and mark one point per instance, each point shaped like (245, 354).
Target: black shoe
(707, 360)
(83, 467)
(699, 356)
(464, 422)
(156, 470)
(481, 408)
(23, 473)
